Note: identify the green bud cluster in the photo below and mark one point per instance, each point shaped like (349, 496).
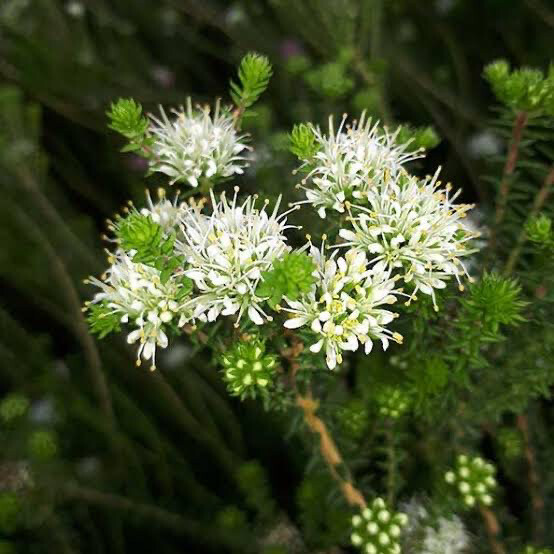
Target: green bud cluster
(290, 276)
(474, 480)
(539, 230)
(393, 402)
(524, 89)
(10, 512)
(354, 417)
(377, 530)
(13, 406)
(42, 445)
(247, 369)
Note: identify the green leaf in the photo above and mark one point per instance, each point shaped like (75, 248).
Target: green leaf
(303, 142)
(254, 74)
(102, 320)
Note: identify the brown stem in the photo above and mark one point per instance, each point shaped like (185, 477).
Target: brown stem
(537, 502)
(493, 530)
(327, 445)
(539, 202)
(328, 449)
(509, 168)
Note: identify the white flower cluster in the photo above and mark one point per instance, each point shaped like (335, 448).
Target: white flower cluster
(377, 530)
(165, 213)
(226, 253)
(414, 227)
(350, 161)
(135, 292)
(345, 307)
(474, 479)
(448, 537)
(196, 144)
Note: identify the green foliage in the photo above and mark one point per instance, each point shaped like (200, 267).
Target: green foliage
(330, 80)
(252, 482)
(7, 547)
(303, 143)
(102, 320)
(353, 417)
(13, 407)
(493, 300)
(290, 276)
(535, 550)
(522, 89)
(254, 74)
(152, 246)
(125, 117)
(474, 480)
(10, 512)
(539, 230)
(510, 443)
(42, 445)
(424, 138)
(324, 522)
(247, 369)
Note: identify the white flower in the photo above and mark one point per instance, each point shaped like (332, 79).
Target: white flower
(196, 144)
(344, 306)
(350, 162)
(450, 537)
(227, 252)
(134, 291)
(165, 213)
(413, 226)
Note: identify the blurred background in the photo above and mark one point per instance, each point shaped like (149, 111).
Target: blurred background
(113, 459)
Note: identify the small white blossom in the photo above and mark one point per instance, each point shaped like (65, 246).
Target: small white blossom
(449, 537)
(227, 252)
(165, 213)
(196, 144)
(413, 226)
(135, 292)
(344, 307)
(350, 162)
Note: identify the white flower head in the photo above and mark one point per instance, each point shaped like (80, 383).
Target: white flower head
(351, 161)
(196, 144)
(412, 226)
(165, 213)
(135, 292)
(227, 252)
(448, 537)
(345, 307)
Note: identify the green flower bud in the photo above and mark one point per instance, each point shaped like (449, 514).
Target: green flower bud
(247, 369)
(474, 479)
(392, 402)
(376, 530)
